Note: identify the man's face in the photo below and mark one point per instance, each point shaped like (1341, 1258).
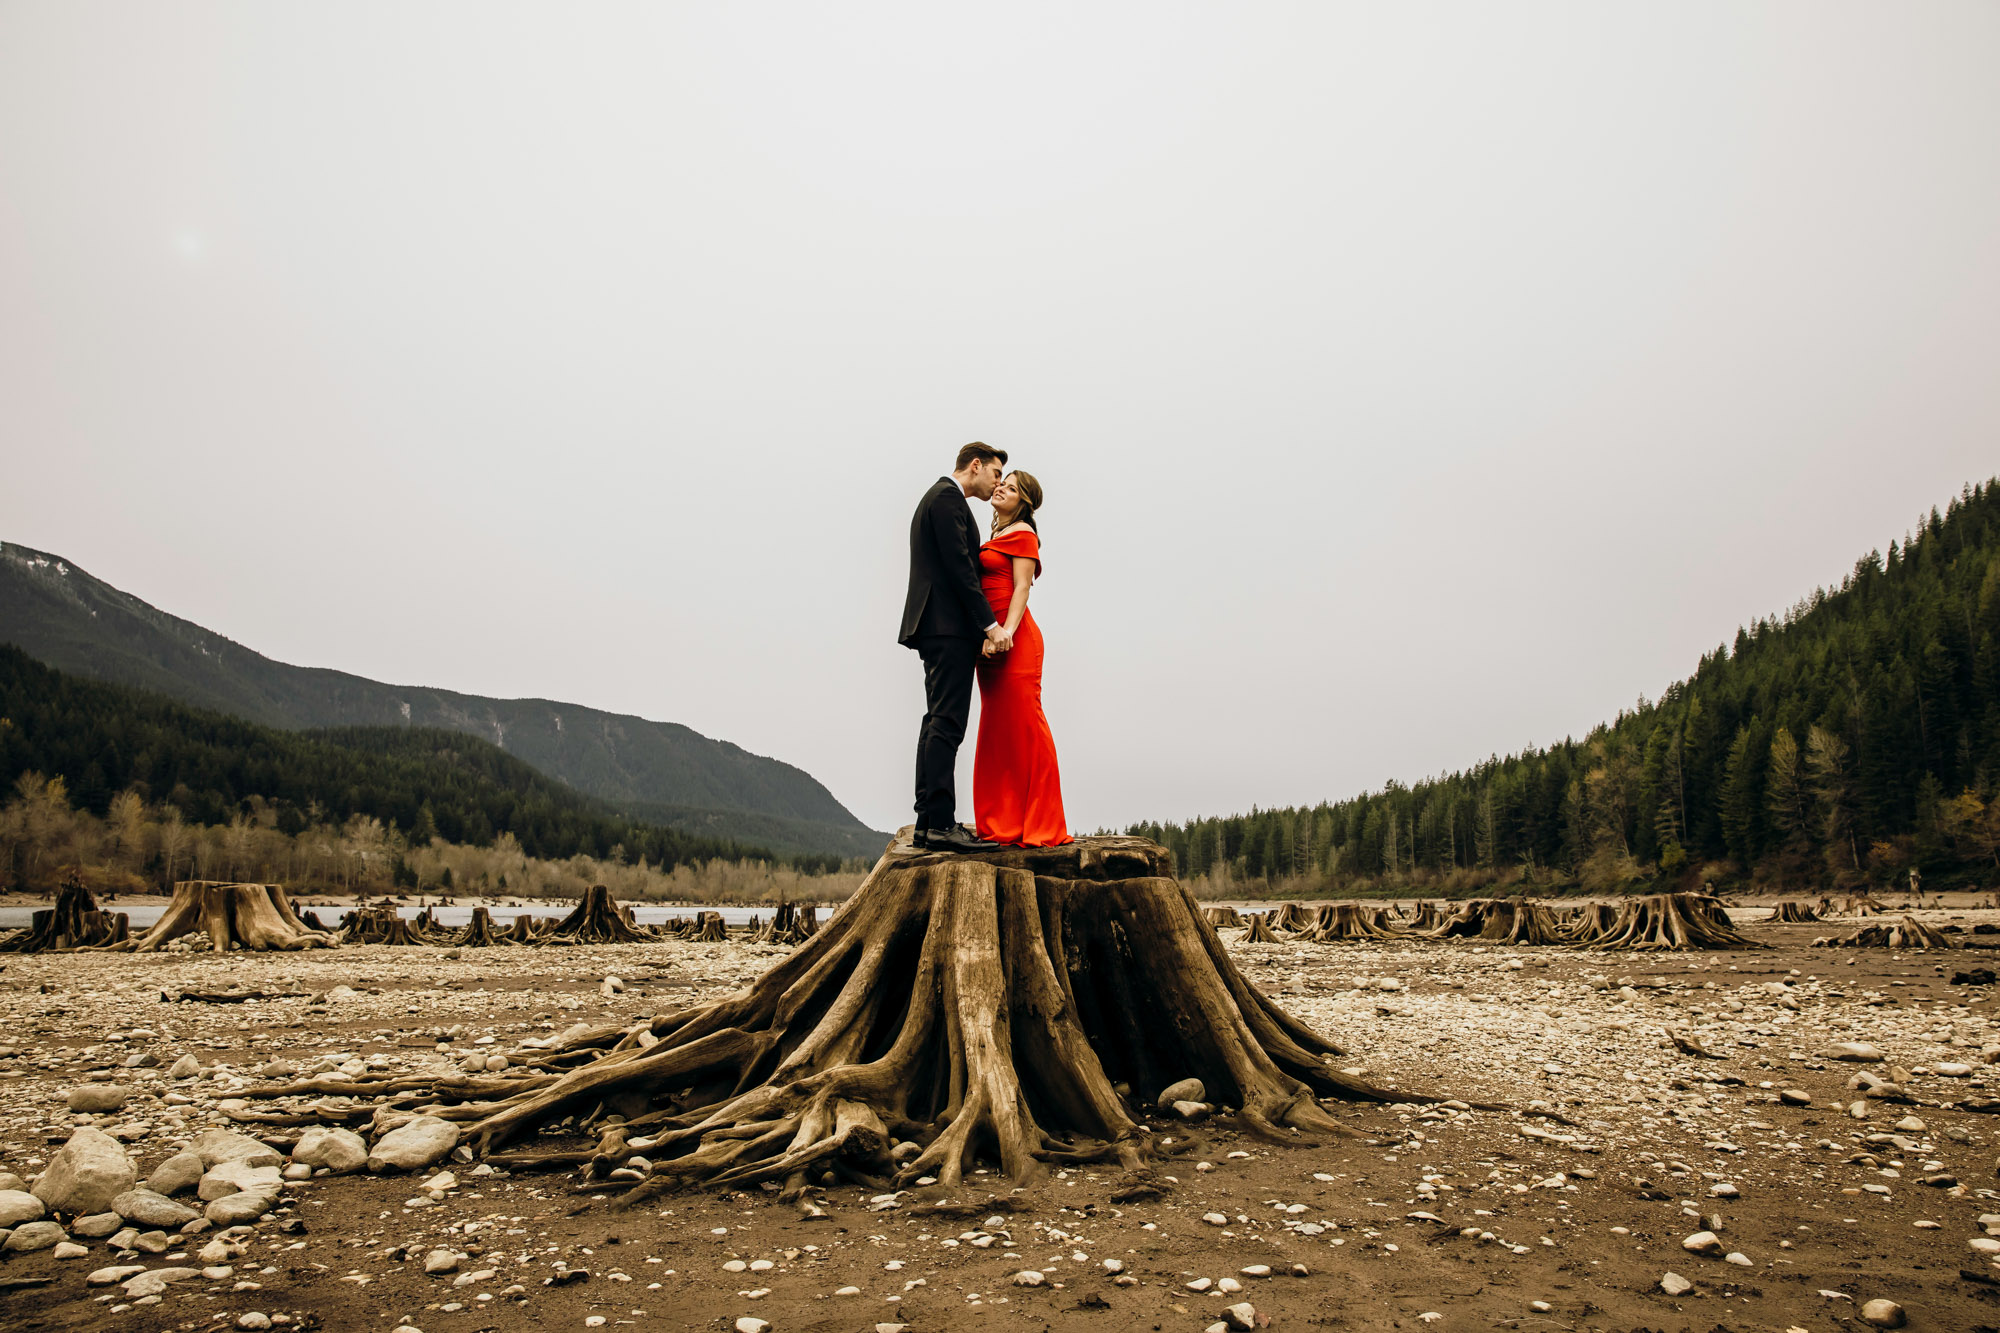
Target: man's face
(985, 476)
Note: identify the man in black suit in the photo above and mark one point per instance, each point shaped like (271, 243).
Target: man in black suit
(946, 618)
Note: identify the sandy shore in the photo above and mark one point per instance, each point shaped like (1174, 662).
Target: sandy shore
(1469, 1215)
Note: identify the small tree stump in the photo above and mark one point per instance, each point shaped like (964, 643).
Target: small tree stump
(1222, 917)
(1260, 931)
(1500, 921)
(971, 1005)
(1293, 917)
(1909, 933)
(598, 920)
(480, 933)
(381, 925)
(1793, 912)
(713, 929)
(1345, 922)
(235, 916)
(73, 923)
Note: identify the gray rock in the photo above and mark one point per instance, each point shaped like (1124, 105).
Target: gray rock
(68, 1249)
(185, 1067)
(412, 1147)
(32, 1236)
(1242, 1315)
(156, 1281)
(18, 1206)
(440, 1262)
(177, 1174)
(219, 1182)
(253, 1319)
(216, 1146)
(96, 1226)
(124, 1238)
(1883, 1314)
(105, 1277)
(1187, 1090)
(10, 1181)
(338, 1150)
(99, 1098)
(1703, 1242)
(86, 1174)
(1192, 1111)
(239, 1209)
(151, 1242)
(1859, 1052)
(1675, 1285)
(152, 1210)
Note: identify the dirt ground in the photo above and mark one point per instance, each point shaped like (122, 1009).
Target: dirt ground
(1564, 1211)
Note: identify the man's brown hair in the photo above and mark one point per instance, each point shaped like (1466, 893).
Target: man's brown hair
(977, 452)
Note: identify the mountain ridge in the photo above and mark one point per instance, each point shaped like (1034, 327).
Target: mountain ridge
(66, 617)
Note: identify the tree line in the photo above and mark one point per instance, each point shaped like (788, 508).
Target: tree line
(108, 742)
(1851, 740)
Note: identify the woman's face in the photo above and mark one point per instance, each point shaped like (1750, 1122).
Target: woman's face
(1006, 496)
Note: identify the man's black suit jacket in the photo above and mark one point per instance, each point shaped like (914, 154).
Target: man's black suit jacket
(944, 598)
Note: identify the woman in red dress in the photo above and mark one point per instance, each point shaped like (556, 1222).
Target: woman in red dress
(1016, 790)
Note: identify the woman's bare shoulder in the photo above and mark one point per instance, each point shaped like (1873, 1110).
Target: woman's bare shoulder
(1013, 528)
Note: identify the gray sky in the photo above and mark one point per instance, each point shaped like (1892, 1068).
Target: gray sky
(1409, 382)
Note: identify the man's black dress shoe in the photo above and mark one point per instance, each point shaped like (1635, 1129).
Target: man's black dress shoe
(954, 839)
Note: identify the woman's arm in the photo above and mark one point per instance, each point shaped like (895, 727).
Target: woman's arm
(1024, 578)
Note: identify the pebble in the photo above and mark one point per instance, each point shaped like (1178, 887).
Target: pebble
(1186, 1090)
(1702, 1242)
(69, 1249)
(439, 1262)
(1883, 1314)
(1793, 1097)
(751, 1324)
(1028, 1277)
(1859, 1052)
(1675, 1285)
(98, 1098)
(253, 1319)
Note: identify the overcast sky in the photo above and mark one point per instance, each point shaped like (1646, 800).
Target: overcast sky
(1409, 382)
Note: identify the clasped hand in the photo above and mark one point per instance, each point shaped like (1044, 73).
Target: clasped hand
(998, 641)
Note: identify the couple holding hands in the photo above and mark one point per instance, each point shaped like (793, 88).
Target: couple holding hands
(967, 615)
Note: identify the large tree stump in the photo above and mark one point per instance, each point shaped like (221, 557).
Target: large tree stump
(1015, 1006)
(713, 929)
(235, 916)
(789, 924)
(1794, 912)
(1909, 933)
(73, 923)
(1589, 922)
(1222, 917)
(1670, 921)
(597, 920)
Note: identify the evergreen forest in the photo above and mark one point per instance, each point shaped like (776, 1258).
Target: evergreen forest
(99, 742)
(1850, 741)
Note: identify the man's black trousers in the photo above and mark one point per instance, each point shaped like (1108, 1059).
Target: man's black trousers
(948, 671)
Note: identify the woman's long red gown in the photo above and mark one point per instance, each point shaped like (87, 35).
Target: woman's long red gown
(1016, 790)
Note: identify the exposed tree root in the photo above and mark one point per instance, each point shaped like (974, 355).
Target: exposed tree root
(235, 916)
(1670, 921)
(789, 924)
(1909, 933)
(73, 923)
(954, 1010)
(525, 930)
(1428, 917)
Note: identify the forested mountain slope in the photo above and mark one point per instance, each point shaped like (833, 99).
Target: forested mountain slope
(659, 770)
(422, 782)
(1849, 739)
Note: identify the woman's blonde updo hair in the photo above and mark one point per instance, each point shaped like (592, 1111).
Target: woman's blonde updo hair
(1031, 499)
